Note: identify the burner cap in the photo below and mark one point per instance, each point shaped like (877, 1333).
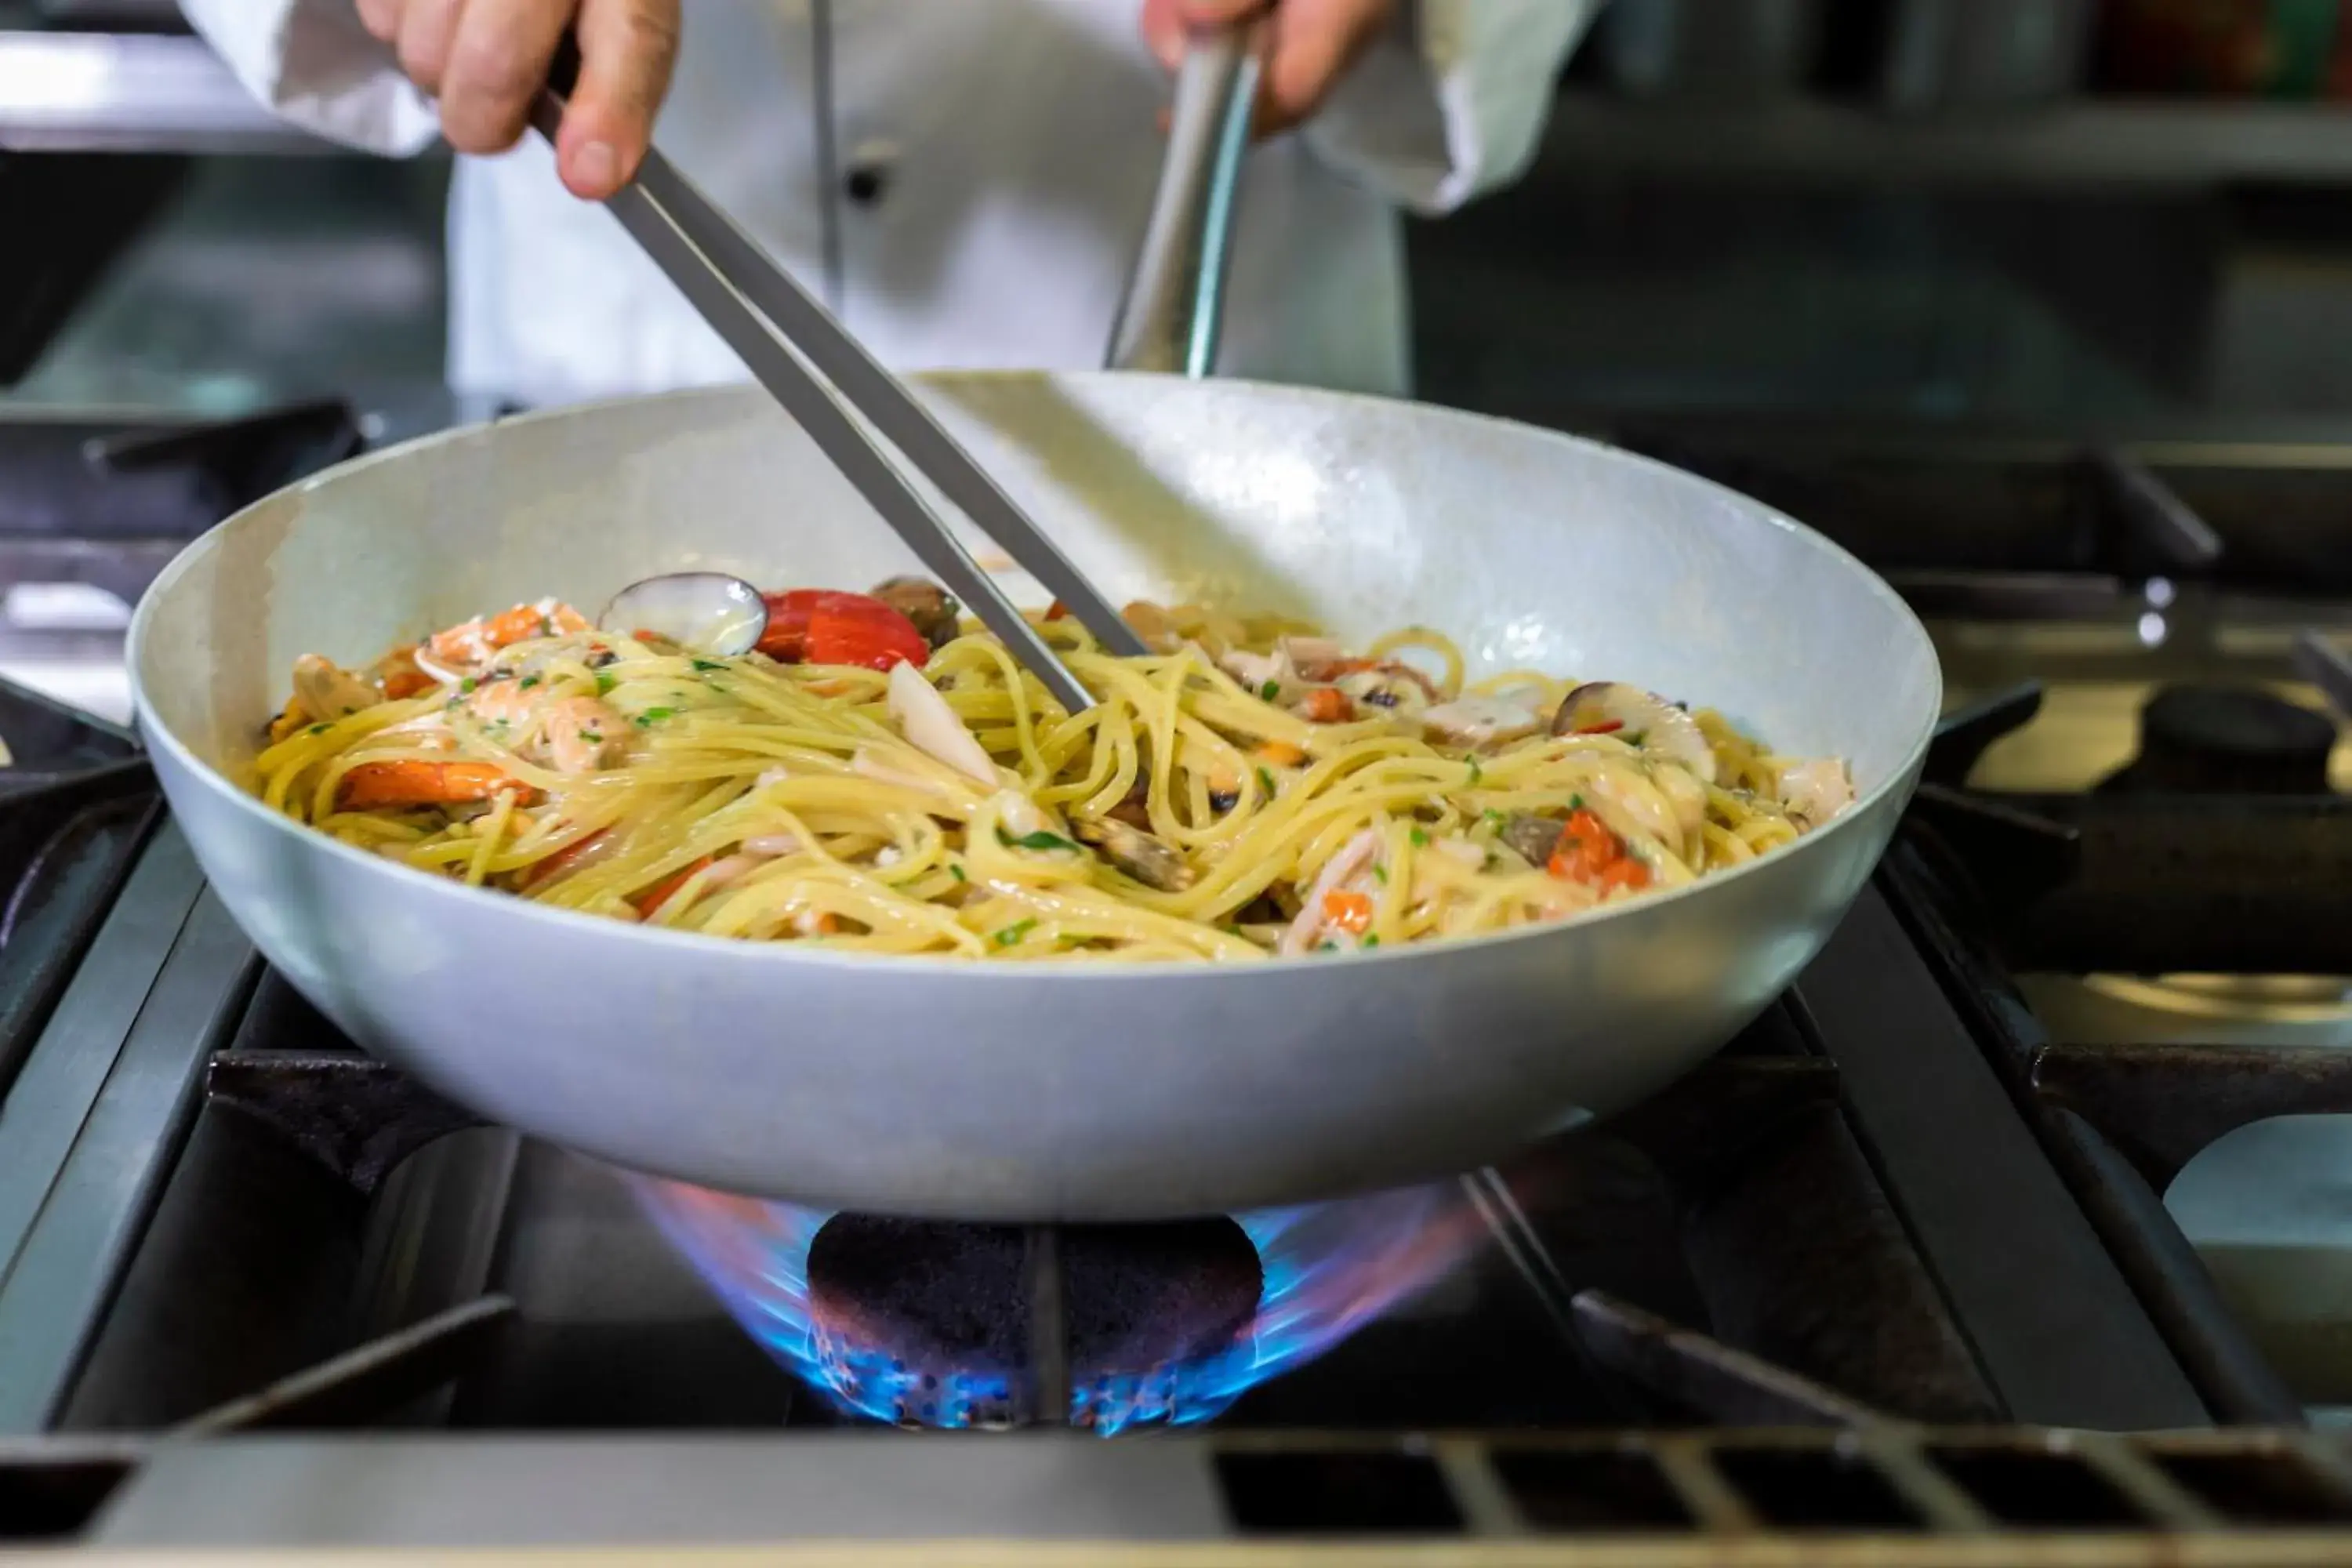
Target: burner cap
(950, 1302)
(2227, 740)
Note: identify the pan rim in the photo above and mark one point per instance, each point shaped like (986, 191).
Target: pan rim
(1866, 806)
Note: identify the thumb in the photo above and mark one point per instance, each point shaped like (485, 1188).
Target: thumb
(1166, 23)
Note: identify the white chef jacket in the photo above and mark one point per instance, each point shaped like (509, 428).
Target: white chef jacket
(991, 162)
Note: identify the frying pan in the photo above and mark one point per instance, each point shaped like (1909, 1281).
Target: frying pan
(1014, 1094)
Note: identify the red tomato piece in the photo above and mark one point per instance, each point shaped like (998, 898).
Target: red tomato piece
(817, 625)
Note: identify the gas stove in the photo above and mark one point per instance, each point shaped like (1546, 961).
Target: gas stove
(2013, 1216)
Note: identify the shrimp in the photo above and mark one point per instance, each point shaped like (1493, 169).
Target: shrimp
(580, 734)
(471, 645)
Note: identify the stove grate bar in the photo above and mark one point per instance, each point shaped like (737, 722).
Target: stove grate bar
(1693, 1371)
(1982, 1200)
(374, 1381)
(1892, 1493)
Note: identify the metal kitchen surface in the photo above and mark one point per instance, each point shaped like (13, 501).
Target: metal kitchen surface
(1873, 1285)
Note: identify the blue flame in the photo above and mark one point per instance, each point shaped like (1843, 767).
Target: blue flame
(1327, 1270)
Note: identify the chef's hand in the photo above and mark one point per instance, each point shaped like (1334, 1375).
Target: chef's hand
(1312, 43)
(487, 59)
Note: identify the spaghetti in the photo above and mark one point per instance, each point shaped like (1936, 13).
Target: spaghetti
(1247, 790)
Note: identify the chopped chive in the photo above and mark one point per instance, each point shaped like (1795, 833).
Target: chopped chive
(1270, 690)
(1420, 840)
(1038, 840)
(957, 872)
(1012, 934)
(1266, 780)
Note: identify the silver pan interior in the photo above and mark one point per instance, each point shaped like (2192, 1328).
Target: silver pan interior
(932, 1087)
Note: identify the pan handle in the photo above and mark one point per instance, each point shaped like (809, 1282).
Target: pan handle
(1169, 319)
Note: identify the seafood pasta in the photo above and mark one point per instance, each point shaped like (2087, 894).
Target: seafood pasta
(879, 775)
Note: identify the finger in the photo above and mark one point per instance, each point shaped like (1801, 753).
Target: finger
(1218, 13)
(498, 62)
(628, 49)
(1163, 31)
(1168, 23)
(1315, 43)
(381, 19)
(426, 30)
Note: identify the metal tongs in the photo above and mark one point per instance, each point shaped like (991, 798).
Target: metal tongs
(828, 381)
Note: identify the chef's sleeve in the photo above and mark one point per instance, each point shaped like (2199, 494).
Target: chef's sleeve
(1452, 103)
(313, 64)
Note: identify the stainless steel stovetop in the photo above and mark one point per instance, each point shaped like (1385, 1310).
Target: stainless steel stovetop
(1813, 1289)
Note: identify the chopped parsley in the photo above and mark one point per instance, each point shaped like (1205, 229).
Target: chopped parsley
(1010, 935)
(1419, 838)
(1477, 773)
(957, 872)
(1635, 738)
(705, 664)
(529, 681)
(1371, 941)
(1266, 780)
(318, 728)
(594, 737)
(1494, 819)
(1381, 874)
(652, 715)
(468, 684)
(1040, 839)
(1327, 947)
(1270, 690)
(605, 681)
(1576, 802)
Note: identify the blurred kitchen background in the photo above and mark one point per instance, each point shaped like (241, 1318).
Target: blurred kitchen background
(2036, 213)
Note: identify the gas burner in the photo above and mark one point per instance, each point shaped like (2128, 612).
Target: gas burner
(2227, 739)
(929, 1324)
(888, 1297)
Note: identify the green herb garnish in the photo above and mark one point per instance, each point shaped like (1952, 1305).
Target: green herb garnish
(1037, 840)
(707, 665)
(1270, 690)
(529, 681)
(1372, 940)
(1266, 780)
(1636, 737)
(1010, 935)
(957, 872)
(1576, 802)
(594, 737)
(1419, 838)
(1380, 875)
(1477, 772)
(605, 681)
(1494, 819)
(318, 728)
(652, 715)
